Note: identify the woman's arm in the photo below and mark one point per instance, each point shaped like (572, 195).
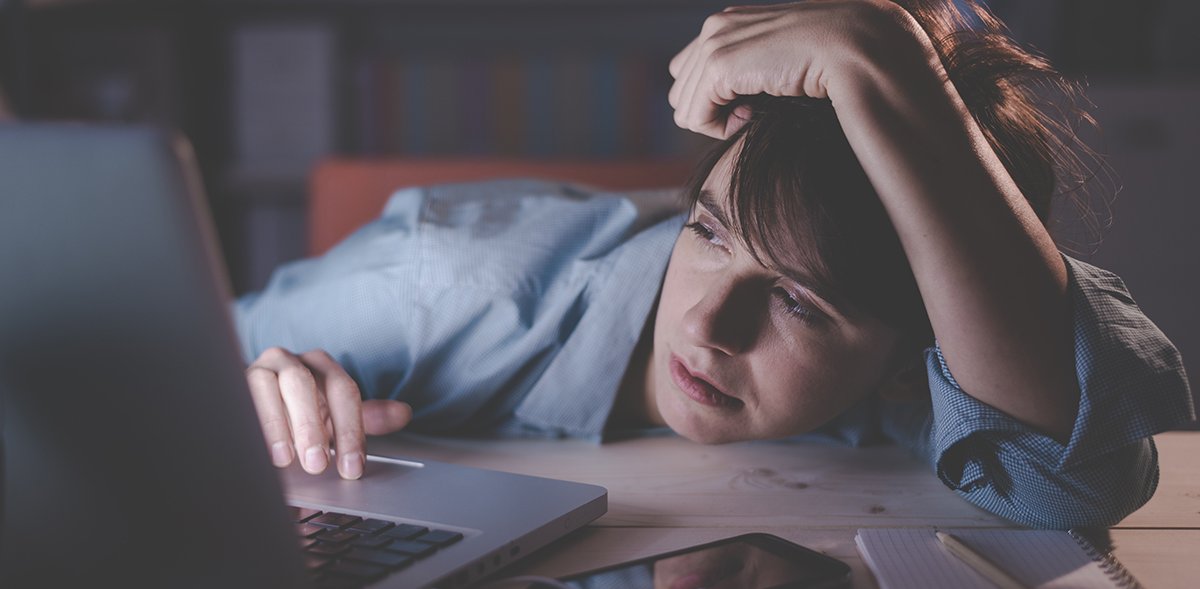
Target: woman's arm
(993, 283)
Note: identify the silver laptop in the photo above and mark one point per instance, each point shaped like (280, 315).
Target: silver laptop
(132, 455)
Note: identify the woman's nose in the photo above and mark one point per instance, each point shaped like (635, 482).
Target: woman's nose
(723, 317)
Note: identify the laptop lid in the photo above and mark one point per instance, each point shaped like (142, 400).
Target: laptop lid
(131, 449)
(125, 456)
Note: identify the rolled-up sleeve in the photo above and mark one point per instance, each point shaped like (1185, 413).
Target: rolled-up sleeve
(1132, 385)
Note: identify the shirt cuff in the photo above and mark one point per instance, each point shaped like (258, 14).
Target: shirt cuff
(1131, 382)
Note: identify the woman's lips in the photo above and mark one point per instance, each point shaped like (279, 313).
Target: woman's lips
(699, 390)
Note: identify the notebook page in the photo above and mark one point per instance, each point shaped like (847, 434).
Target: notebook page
(912, 558)
(903, 558)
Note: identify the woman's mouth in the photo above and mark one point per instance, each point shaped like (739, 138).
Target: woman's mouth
(698, 389)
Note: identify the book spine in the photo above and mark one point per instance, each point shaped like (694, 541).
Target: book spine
(415, 107)
(540, 96)
(510, 106)
(474, 135)
(581, 104)
(282, 74)
(635, 119)
(607, 109)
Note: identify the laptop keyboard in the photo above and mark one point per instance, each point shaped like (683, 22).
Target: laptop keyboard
(347, 551)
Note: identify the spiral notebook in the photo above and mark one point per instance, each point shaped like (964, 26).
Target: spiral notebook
(913, 558)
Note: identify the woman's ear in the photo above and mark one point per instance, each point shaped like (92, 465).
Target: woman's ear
(909, 382)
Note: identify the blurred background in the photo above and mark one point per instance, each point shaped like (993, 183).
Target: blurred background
(266, 88)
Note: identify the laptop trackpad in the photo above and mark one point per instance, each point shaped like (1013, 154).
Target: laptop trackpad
(377, 469)
(389, 487)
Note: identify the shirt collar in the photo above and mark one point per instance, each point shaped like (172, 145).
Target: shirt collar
(577, 391)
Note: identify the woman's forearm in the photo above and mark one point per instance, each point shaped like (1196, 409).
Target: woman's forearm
(992, 280)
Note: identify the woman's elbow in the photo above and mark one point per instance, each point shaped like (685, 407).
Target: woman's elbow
(1099, 493)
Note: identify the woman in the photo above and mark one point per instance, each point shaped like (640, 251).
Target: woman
(864, 256)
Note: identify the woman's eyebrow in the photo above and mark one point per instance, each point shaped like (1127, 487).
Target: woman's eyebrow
(708, 200)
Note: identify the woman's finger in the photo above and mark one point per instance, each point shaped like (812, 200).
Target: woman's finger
(264, 390)
(344, 404)
(684, 115)
(676, 64)
(737, 119)
(687, 60)
(384, 416)
(298, 389)
(725, 74)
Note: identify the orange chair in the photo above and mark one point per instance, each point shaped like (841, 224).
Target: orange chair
(344, 194)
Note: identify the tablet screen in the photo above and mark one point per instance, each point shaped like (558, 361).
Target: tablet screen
(747, 562)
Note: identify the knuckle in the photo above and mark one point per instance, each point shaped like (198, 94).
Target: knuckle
(318, 354)
(259, 371)
(298, 374)
(260, 377)
(713, 47)
(349, 438)
(277, 424)
(310, 432)
(276, 354)
(715, 22)
(341, 386)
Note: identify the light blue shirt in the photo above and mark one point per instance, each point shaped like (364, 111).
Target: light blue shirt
(512, 308)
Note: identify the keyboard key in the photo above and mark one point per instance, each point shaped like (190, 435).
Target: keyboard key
(328, 582)
(327, 549)
(405, 531)
(302, 514)
(371, 526)
(330, 519)
(356, 570)
(439, 537)
(372, 541)
(417, 549)
(313, 562)
(308, 530)
(336, 536)
(391, 560)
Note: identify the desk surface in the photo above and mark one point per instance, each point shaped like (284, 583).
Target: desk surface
(667, 493)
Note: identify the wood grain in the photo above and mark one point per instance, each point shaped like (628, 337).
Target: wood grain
(667, 493)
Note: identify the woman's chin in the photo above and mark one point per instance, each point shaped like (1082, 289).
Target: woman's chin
(699, 429)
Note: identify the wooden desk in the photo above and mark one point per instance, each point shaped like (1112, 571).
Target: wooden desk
(667, 493)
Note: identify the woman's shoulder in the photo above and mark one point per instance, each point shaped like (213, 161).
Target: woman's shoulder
(520, 203)
(520, 233)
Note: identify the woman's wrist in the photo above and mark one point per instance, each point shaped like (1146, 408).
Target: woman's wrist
(885, 51)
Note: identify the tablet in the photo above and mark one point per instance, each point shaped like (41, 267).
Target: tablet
(750, 561)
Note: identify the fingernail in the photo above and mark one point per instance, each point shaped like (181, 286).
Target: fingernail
(352, 465)
(281, 453)
(316, 459)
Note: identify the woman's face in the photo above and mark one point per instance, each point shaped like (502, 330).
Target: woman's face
(742, 351)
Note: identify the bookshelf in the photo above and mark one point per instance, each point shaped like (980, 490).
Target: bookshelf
(264, 88)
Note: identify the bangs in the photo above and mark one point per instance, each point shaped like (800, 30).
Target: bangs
(802, 206)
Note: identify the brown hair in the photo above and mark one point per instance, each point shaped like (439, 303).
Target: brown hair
(796, 181)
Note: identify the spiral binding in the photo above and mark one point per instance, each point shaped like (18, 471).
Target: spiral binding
(1112, 567)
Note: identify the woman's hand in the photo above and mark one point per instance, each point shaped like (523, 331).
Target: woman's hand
(306, 402)
(797, 49)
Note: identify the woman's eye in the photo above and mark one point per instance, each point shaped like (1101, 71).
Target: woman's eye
(708, 236)
(792, 306)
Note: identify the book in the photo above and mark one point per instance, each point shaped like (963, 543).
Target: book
(904, 558)
(283, 102)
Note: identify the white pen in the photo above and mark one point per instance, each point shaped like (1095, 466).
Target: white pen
(979, 563)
